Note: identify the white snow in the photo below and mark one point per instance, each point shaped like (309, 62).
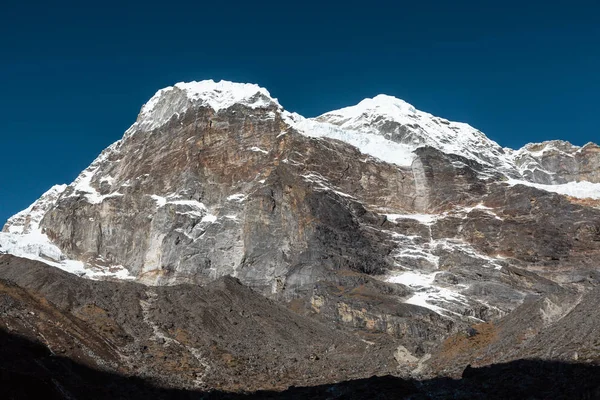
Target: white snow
(464, 211)
(367, 126)
(239, 197)
(108, 179)
(191, 203)
(26, 240)
(33, 245)
(427, 294)
(368, 143)
(551, 146)
(382, 127)
(580, 190)
(224, 94)
(162, 201)
(413, 279)
(175, 100)
(426, 219)
(209, 218)
(258, 150)
(323, 184)
(418, 260)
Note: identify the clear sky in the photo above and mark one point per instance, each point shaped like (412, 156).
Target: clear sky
(74, 74)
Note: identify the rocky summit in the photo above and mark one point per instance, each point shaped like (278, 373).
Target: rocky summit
(226, 244)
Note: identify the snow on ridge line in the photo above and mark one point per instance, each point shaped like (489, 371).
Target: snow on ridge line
(368, 143)
(580, 190)
(35, 211)
(448, 136)
(217, 95)
(359, 125)
(417, 128)
(224, 94)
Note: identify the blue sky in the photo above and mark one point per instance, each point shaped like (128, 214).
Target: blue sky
(74, 75)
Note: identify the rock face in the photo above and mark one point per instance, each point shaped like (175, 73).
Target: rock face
(384, 220)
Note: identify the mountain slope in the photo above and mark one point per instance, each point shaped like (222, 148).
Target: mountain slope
(62, 338)
(222, 336)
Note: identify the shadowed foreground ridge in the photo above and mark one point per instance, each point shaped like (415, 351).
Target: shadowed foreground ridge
(62, 337)
(30, 370)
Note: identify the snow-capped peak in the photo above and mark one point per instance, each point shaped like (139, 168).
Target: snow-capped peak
(220, 95)
(380, 105)
(224, 94)
(391, 129)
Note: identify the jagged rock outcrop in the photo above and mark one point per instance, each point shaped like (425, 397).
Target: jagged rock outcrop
(557, 161)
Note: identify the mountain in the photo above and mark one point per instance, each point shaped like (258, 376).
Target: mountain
(386, 222)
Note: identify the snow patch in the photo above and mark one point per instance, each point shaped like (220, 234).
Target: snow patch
(258, 150)
(580, 190)
(108, 179)
(239, 197)
(162, 201)
(209, 218)
(36, 246)
(425, 219)
(426, 293)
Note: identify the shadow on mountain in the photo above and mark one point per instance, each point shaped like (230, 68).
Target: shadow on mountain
(29, 370)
